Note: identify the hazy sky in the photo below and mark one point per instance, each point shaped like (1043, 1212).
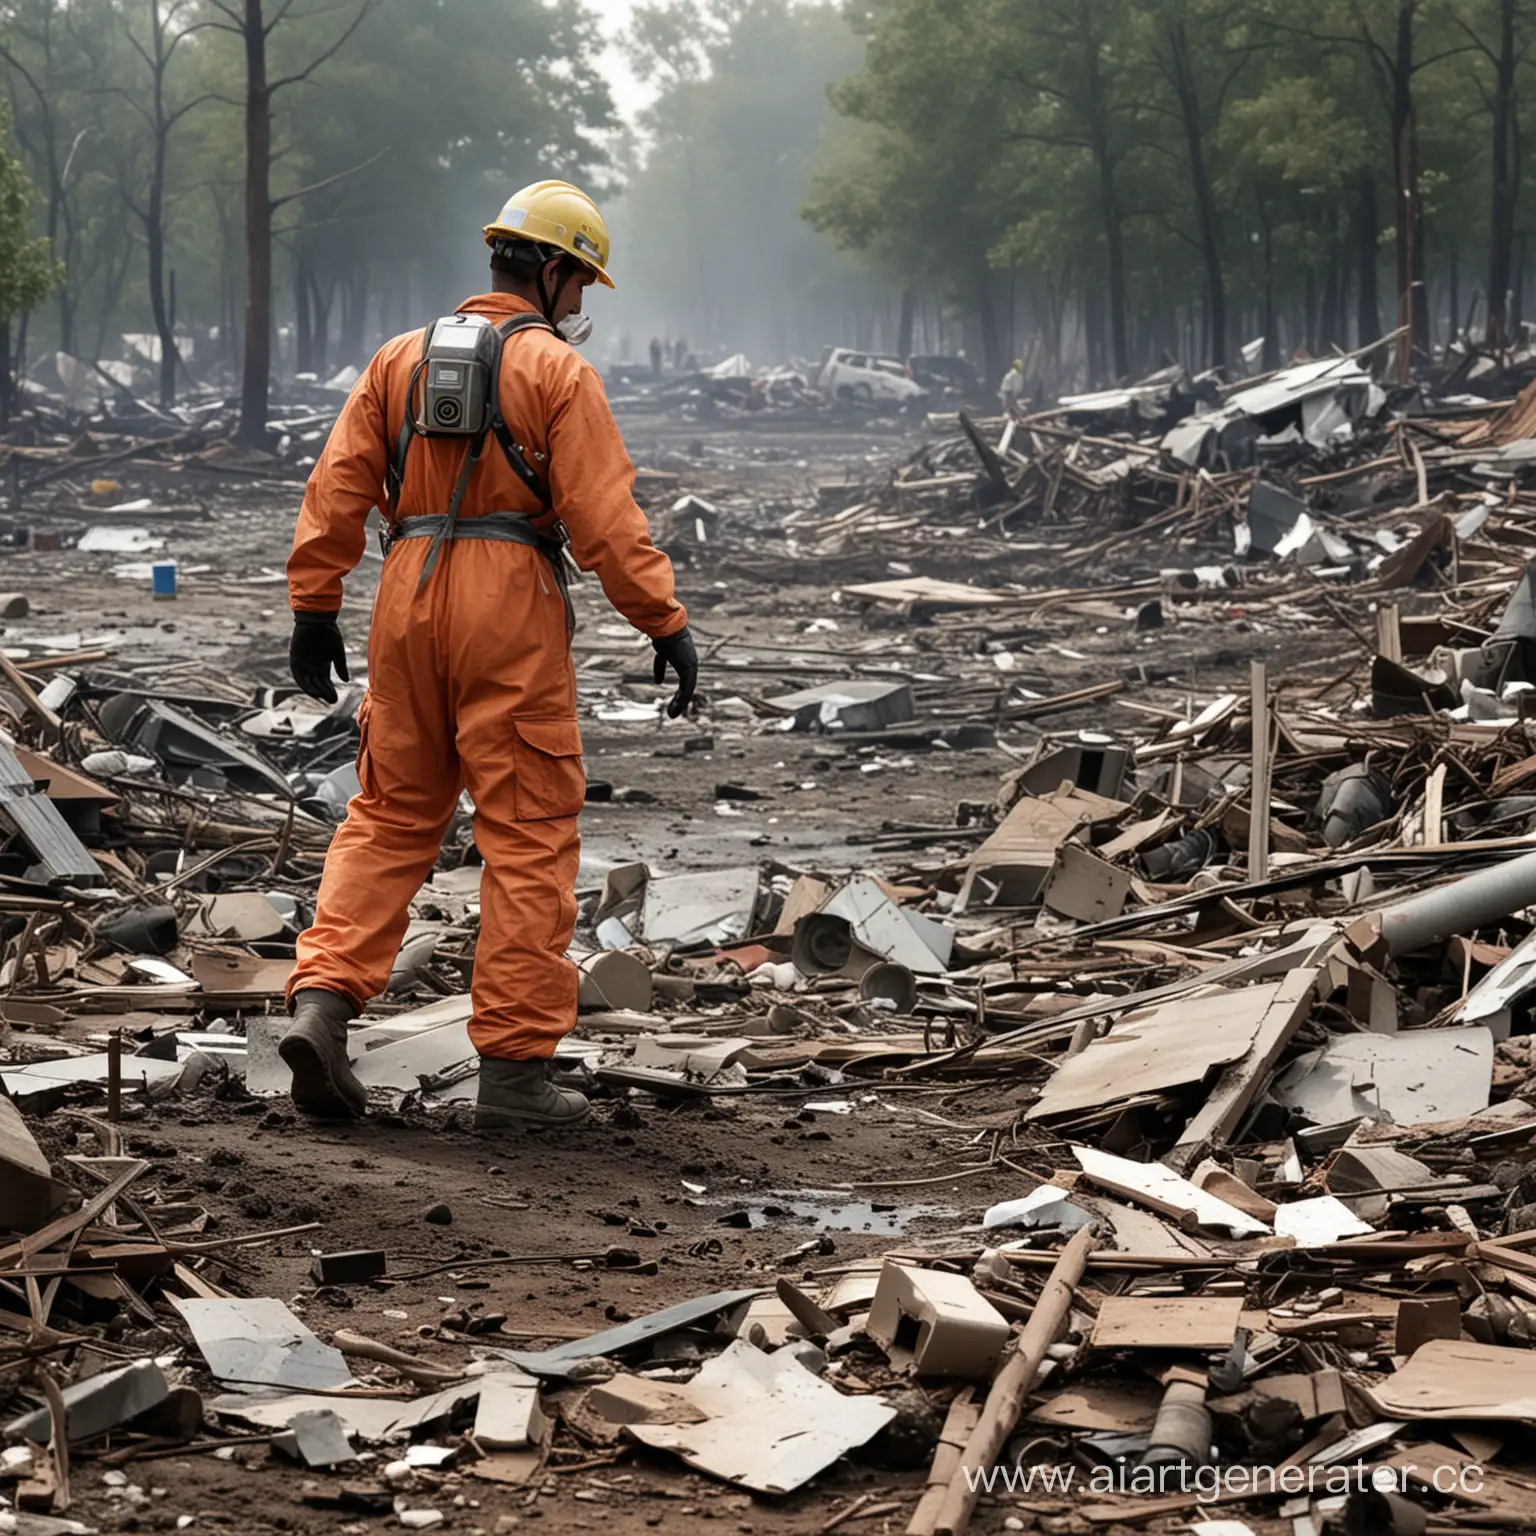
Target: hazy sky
(628, 93)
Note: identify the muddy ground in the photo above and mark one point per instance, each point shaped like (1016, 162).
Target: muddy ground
(532, 1215)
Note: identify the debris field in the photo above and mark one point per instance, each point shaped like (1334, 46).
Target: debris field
(1063, 1002)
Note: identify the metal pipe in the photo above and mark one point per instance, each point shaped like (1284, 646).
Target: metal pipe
(1460, 907)
(1181, 1433)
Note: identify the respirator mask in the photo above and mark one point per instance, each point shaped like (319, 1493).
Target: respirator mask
(575, 328)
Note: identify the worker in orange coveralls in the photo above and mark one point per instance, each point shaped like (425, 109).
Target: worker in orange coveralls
(470, 679)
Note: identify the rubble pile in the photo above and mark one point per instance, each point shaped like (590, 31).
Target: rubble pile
(1149, 840)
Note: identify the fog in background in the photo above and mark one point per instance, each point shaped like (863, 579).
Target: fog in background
(1094, 187)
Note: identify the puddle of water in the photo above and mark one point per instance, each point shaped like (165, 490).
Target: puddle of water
(834, 1210)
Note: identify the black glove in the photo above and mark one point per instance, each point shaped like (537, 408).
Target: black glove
(678, 652)
(316, 647)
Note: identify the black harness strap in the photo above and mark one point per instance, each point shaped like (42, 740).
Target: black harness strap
(394, 473)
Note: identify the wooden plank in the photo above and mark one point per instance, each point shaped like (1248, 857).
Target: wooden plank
(29, 698)
(1167, 1322)
(1434, 809)
(1258, 824)
(1228, 1102)
(1389, 634)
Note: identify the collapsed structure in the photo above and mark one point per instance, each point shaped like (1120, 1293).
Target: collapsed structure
(1224, 989)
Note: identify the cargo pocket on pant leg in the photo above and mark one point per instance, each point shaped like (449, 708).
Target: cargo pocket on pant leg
(550, 782)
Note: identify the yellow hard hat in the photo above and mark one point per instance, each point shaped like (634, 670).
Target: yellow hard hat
(556, 213)
(1018, 363)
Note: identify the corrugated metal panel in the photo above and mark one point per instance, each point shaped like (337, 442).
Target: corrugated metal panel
(62, 859)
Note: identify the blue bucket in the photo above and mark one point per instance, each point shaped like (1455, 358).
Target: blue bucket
(163, 574)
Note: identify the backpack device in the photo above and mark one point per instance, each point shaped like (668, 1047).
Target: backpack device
(455, 392)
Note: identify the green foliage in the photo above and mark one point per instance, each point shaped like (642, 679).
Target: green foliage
(27, 268)
(1231, 148)
(387, 158)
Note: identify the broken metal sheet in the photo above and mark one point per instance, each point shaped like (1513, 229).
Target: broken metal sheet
(285, 724)
(1012, 865)
(367, 1418)
(1084, 887)
(1317, 1222)
(62, 859)
(508, 1415)
(80, 799)
(560, 1360)
(403, 1064)
(1377, 1170)
(1156, 1049)
(456, 1009)
(98, 1403)
(246, 915)
(860, 704)
(1412, 1078)
(317, 1438)
(1163, 1190)
(1313, 544)
(691, 1055)
(107, 540)
(411, 1053)
(259, 1342)
(1290, 386)
(1495, 996)
(35, 1084)
(1272, 513)
(892, 932)
(1044, 1207)
(29, 1194)
(186, 746)
(711, 906)
(772, 1425)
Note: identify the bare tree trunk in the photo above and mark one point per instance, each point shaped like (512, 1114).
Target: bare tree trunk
(154, 221)
(1367, 238)
(994, 366)
(258, 232)
(1271, 357)
(303, 336)
(1453, 304)
(908, 315)
(1501, 218)
(321, 301)
(354, 310)
(1187, 90)
(1109, 202)
(1412, 289)
(6, 387)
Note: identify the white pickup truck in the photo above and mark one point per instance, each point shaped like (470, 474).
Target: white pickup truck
(849, 375)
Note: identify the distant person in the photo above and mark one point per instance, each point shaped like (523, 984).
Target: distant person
(679, 354)
(1011, 387)
(470, 681)
(656, 355)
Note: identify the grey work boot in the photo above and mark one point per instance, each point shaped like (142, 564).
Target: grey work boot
(315, 1049)
(518, 1093)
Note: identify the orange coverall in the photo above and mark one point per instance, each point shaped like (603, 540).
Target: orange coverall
(470, 680)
